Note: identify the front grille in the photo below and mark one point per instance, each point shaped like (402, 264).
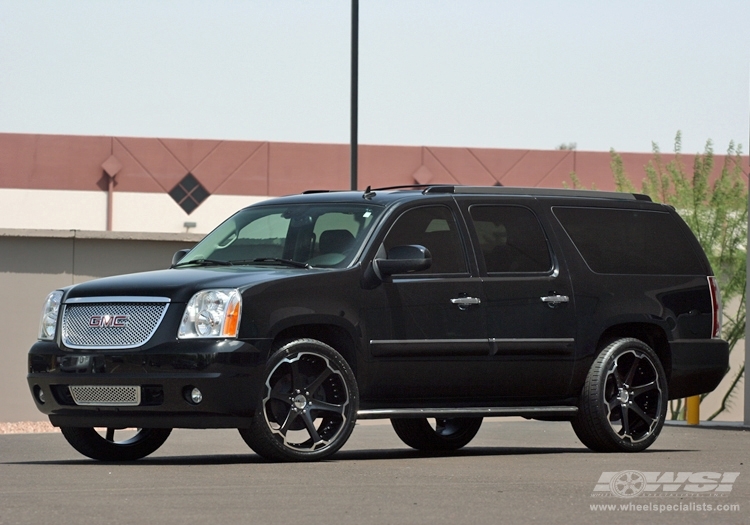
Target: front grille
(124, 396)
(111, 324)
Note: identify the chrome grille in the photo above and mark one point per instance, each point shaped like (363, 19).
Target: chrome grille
(124, 396)
(116, 323)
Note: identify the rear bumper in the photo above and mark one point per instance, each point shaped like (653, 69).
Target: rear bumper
(698, 366)
(228, 374)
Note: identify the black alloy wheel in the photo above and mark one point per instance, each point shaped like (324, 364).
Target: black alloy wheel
(308, 405)
(439, 434)
(623, 403)
(108, 445)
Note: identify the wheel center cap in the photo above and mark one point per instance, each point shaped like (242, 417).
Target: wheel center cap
(623, 396)
(300, 401)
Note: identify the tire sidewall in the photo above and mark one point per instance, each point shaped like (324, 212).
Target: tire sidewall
(289, 351)
(603, 366)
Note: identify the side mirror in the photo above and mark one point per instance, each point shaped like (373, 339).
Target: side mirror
(403, 259)
(179, 254)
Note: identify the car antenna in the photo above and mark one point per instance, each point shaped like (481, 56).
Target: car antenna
(369, 194)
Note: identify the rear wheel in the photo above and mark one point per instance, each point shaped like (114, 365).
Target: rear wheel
(115, 444)
(624, 399)
(308, 405)
(437, 434)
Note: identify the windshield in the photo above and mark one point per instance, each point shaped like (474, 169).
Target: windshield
(299, 235)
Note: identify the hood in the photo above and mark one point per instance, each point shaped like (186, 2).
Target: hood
(180, 284)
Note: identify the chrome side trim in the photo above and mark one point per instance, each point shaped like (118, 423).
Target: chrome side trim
(471, 347)
(429, 347)
(387, 413)
(540, 346)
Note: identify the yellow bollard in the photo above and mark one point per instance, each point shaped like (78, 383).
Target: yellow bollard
(693, 415)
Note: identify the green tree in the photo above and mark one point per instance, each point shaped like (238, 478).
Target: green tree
(716, 211)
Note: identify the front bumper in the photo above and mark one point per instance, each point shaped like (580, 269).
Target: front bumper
(698, 366)
(229, 374)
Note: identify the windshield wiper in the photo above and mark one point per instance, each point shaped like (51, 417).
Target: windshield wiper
(203, 262)
(287, 262)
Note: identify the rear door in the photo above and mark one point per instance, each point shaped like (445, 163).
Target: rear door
(528, 294)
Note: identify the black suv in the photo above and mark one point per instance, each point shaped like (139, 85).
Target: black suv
(433, 307)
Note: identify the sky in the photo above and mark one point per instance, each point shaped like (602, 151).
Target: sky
(529, 74)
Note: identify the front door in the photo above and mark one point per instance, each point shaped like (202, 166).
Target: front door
(426, 328)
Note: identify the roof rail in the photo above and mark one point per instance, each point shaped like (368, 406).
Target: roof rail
(551, 192)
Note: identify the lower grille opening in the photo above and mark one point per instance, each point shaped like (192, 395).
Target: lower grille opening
(96, 395)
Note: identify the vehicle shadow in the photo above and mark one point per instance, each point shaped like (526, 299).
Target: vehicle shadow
(341, 456)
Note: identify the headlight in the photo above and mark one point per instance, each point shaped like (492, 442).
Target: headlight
(48, 323)
(212, 313)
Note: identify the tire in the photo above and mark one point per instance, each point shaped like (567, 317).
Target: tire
(623, 403)
(138, 444)
(447, 434)
(308, 404)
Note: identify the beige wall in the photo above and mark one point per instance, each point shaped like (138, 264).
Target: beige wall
(131, 212)
(35, 262)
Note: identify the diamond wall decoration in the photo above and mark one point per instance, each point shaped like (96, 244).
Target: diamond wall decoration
(189, 193)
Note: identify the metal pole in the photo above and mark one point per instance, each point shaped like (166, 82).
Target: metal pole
(747, 330)
(354, 92)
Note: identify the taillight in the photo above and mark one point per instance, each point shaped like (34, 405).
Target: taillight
(716, 315)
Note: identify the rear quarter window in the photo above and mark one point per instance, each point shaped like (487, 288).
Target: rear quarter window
(620, 241)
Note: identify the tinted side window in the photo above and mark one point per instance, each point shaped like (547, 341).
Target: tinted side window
(630, 241)
(434, 227)
(510, 239)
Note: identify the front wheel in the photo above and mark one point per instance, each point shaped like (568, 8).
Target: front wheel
(106, 445)
(308, 404)
(443, 434)
(624, 399)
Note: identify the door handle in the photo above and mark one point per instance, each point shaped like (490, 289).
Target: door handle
(464, 302)
(555, 300)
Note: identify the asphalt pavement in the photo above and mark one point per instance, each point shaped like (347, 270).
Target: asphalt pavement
(513, 472)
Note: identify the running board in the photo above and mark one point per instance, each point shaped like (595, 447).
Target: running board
(531, 412)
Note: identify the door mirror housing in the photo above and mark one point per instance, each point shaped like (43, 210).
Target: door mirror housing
(404, 259)
(179, 255)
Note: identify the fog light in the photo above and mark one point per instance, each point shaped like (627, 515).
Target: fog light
(40, 395)
(196, 396)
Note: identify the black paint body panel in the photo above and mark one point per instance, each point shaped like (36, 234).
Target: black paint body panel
(407, 342)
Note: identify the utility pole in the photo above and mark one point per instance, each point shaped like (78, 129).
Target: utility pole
(354, 92)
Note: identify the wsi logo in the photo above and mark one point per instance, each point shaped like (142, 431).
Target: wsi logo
(632, 483)
(107, 321)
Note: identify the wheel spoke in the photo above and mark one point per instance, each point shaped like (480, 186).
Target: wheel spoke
(323, 406)
(625, 422)
(638, 390)
(310, 424)
(615, 372)
(641, 414)
(295, 375)
(318, 381)
(631, 373)
(613, 403)
(110, 435)
(290, 417)
(277, 393)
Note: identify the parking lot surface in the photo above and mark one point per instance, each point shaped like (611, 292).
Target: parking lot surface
(513, 472)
